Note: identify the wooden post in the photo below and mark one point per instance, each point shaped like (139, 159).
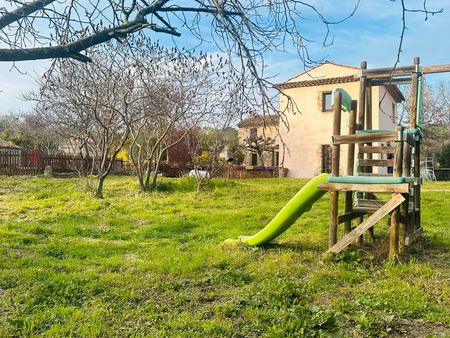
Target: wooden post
(337, 108)
(361, 117)
(370, 231)
(348, 203)
(413, 97)
(413, 124)
(394, 232)
(406, 171)
(368, 117)
(417, 219)
(362, 97)
(404, 222)
(407, 221)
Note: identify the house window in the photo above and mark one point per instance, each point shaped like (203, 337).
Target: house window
(390, 170)
(253, 133)
(327, 105)
(254, 159)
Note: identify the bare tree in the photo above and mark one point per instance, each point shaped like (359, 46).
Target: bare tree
(154, 134)
(182, 92)
(94, 102)
(215, 135)
(40, 135)
(243, 30)
(435, 118)
(259, 144)
(48, 29)
(76, 25)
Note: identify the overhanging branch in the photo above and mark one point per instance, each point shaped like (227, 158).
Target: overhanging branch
(73, 49)
(22, 12)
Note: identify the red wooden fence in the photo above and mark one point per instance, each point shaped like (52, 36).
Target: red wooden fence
(230, 172)
(17, 162)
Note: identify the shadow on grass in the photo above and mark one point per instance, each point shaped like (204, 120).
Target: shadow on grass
(436, 253)
(297, 246)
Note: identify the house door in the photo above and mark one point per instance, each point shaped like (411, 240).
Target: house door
(254, 159)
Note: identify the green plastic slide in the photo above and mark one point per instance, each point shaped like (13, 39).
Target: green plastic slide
(299, 204)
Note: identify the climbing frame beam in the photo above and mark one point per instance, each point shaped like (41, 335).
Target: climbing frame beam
(381, 73)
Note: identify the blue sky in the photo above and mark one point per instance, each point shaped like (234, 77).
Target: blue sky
(372, 34)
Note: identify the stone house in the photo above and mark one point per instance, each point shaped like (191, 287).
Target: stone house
(7, 147)
(307, 136)
(259, 138)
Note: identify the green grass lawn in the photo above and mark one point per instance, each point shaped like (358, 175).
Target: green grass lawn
(156, 265)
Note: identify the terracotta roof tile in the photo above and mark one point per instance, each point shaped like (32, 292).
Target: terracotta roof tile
(392, 89)
(318, 82)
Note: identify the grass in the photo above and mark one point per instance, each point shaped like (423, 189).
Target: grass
(155, 265)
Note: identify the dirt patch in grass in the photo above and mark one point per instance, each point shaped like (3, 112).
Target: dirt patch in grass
(419, 329)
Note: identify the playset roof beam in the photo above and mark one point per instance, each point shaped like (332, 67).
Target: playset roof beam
(388, 82)
(388, 72)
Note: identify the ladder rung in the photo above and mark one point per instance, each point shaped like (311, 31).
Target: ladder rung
(376, 150)
(376, 163)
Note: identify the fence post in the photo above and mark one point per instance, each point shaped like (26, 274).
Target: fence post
(38, 158)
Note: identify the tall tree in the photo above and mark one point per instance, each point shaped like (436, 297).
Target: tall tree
(93, 103)
(182, 91)
(436, 116)
(216, 135)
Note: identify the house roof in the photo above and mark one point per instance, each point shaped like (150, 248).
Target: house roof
(9, 145)
(314, 77)
(395, 93)
(312, 73)
(259, 121)
(317, 82)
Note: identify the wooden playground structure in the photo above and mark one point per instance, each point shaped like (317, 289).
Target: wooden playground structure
(368, 151)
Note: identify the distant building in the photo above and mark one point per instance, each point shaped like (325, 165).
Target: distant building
(7, 147)
(71, 147)
(259, 138)
(10, 155)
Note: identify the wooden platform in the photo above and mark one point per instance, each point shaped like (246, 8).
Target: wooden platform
(402, 188)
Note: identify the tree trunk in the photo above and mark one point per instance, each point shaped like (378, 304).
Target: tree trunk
(140, 173)
(155, 175)
(141, 182)
(99, 191)
(147, 177)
